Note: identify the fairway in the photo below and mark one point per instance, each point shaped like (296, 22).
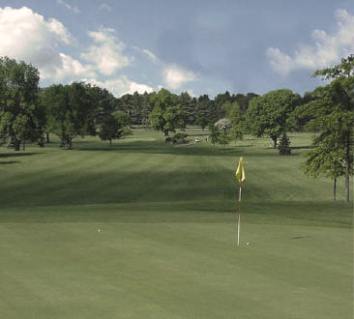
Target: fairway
(143, 229)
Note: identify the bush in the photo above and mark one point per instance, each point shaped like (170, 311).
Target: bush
(169, 139)
(180, 138)
(218, 136)
(284, 145)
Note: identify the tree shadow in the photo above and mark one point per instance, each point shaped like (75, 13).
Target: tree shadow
(8, 162)
(17, 154)
(305, 147)
(162, 148)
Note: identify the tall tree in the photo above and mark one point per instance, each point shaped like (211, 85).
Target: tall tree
(21, 117)
(236, 117)
(114, 126)
(269, 114)
(167, 114)
(206, 113)
(332, 113)
(71, 110)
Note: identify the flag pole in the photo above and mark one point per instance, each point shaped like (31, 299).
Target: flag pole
(240, 177)
(239, 215)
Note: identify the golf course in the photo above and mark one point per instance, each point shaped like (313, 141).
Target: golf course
(146, 229)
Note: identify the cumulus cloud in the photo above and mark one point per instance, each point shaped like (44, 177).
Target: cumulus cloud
(327, 48)
(107, 52)
(122, 85)
(176, 76)
(68, 69)
(68, 6)
(26, 35)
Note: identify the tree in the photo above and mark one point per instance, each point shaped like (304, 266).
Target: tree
(70, 111)
(114, 126)
(167, 114)
(188, 105)
(284, 145)
(21, 117)
(219, 133)
(269, 114)
(206, 113)
(102, 103)
(137, 106)
(236, 117)
(326, 159)
(332, 113)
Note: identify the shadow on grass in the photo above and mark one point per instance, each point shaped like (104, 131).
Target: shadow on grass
(8, 162)
(318, 214)
(143, 147)
(304, 147)
(17, 154)
(161, 148)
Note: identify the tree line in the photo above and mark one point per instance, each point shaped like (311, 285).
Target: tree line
(30, 114)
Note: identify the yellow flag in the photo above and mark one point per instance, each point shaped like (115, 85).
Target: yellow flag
(240, 172)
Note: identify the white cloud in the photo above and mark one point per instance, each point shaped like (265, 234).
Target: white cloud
(105, 7)
(68, 6)
(122, 85)
(68, 69)
(26, 35)
(106, 53)
(175, 76)
(151, 56)
(326, 50)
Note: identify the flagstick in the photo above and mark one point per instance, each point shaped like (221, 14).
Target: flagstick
(239, 216)
(238, 229)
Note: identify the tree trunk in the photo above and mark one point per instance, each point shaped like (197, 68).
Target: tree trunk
(47, 137)
(69, 144)
(17, 145)
(110, 141)
(347, 167)
(347, 188)
(23, 145)
(335, 188)
(41, 142)
(275, 141)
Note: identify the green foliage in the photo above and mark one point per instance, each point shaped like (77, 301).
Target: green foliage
(269, 114)
(21, 116)
(114, 126)
(74, 109)
(332, 114)
(138, 107)
(284, 145)
(188, 105)
(237, 120)
(343, 69)
(218, 135)
(326, 158)
(167, 114)
(178, 138)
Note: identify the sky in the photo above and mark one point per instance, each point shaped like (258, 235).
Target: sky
(198, 46)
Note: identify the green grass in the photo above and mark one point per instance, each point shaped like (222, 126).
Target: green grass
(167, 221)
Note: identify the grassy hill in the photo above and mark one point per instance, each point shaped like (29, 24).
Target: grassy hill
(141, 229)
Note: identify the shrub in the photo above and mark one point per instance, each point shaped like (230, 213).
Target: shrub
(180, 138)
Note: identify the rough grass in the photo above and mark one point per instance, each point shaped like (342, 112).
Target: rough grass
(141, 229)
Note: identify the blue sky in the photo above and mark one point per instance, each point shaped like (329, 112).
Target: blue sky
(195, 46)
